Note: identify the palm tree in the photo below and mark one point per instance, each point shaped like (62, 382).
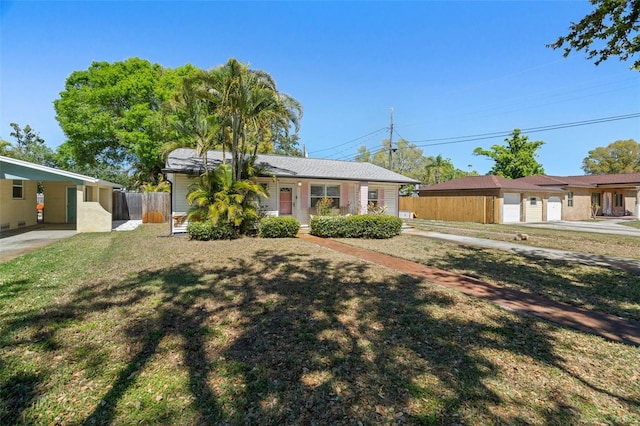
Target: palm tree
(193, 107)
(216, 197)
(249, 107)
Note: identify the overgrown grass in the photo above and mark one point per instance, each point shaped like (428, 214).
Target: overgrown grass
(129, 328)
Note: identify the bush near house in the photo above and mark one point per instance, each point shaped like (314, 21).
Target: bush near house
(206, 230)
(278, 227)
(359, 226)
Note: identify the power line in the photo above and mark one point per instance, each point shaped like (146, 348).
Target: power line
(351, 141)
(491, 135)
(470, 138)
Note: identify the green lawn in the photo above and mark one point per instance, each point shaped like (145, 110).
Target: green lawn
(132, 328)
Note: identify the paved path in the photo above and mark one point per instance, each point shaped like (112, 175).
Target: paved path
(608, 326)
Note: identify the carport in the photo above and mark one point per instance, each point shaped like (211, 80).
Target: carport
(69, 198)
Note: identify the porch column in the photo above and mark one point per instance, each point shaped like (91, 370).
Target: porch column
(364, 197)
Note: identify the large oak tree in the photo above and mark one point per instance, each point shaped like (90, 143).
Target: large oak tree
(112, 115)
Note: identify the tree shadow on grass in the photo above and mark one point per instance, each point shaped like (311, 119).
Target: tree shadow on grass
(606, 290)
(338, 345)
(310, 340)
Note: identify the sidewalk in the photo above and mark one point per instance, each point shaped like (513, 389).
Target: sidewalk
(608, 326)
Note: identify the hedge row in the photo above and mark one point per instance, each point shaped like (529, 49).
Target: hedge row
(359, 226)
(278, 227)
(206, 230)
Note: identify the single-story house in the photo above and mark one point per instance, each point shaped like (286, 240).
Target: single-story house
(69, 198)
(490, 199)
(533, 198)
(611, 194)
(295, 184)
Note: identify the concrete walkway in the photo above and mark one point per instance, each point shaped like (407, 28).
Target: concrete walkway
(625, 264)
(607, 326)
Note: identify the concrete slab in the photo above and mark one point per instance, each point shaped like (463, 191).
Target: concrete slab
(14, 244)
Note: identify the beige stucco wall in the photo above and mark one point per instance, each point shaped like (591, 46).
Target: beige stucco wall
(55, 201)
(581, 209)
(92, 218)
(18, 212)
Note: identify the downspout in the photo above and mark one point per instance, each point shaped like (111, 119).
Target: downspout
(166, 178)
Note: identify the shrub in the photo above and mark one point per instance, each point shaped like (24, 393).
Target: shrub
(206, 230)
(360, 226)
(323, 206)
(278, 227)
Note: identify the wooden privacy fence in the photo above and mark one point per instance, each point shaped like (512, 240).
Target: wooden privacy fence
(127, 205)
(150, 207)
(479, 209)
(156, 207)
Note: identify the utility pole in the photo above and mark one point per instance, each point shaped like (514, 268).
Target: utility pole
(391, 141)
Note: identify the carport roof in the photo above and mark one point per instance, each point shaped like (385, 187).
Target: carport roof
(11, 168)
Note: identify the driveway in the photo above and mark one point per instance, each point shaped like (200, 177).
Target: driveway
(18, 242)
(14, 244)
(610, 226)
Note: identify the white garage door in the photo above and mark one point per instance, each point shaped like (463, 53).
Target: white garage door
(511, 208)
(554, 209)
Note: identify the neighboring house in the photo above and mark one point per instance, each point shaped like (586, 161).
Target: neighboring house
(295, 184)
(493, 199)
(69, 198)
(487, 199)
(610, 195)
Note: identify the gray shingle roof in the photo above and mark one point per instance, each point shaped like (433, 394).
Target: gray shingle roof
(185, 160)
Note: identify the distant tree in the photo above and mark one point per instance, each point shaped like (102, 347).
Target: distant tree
(611, 29)
(618, 157)
(5, 147)
(28, 146)
(363, 155)
(517, 159)
(409, 160)
(66, 160)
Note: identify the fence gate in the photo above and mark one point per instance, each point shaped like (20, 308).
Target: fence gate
(127, 205)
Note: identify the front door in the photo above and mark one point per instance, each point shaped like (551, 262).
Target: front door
(286, 201)
(72, 203)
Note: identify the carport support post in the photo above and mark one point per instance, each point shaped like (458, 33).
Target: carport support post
(637, 203)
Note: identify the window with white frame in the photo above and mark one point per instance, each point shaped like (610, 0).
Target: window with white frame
(533, 201)
(372, 198)
(18, 190)
(318, 192)
(570, 199)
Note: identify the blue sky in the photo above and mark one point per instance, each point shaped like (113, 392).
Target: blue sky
(450, 70)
